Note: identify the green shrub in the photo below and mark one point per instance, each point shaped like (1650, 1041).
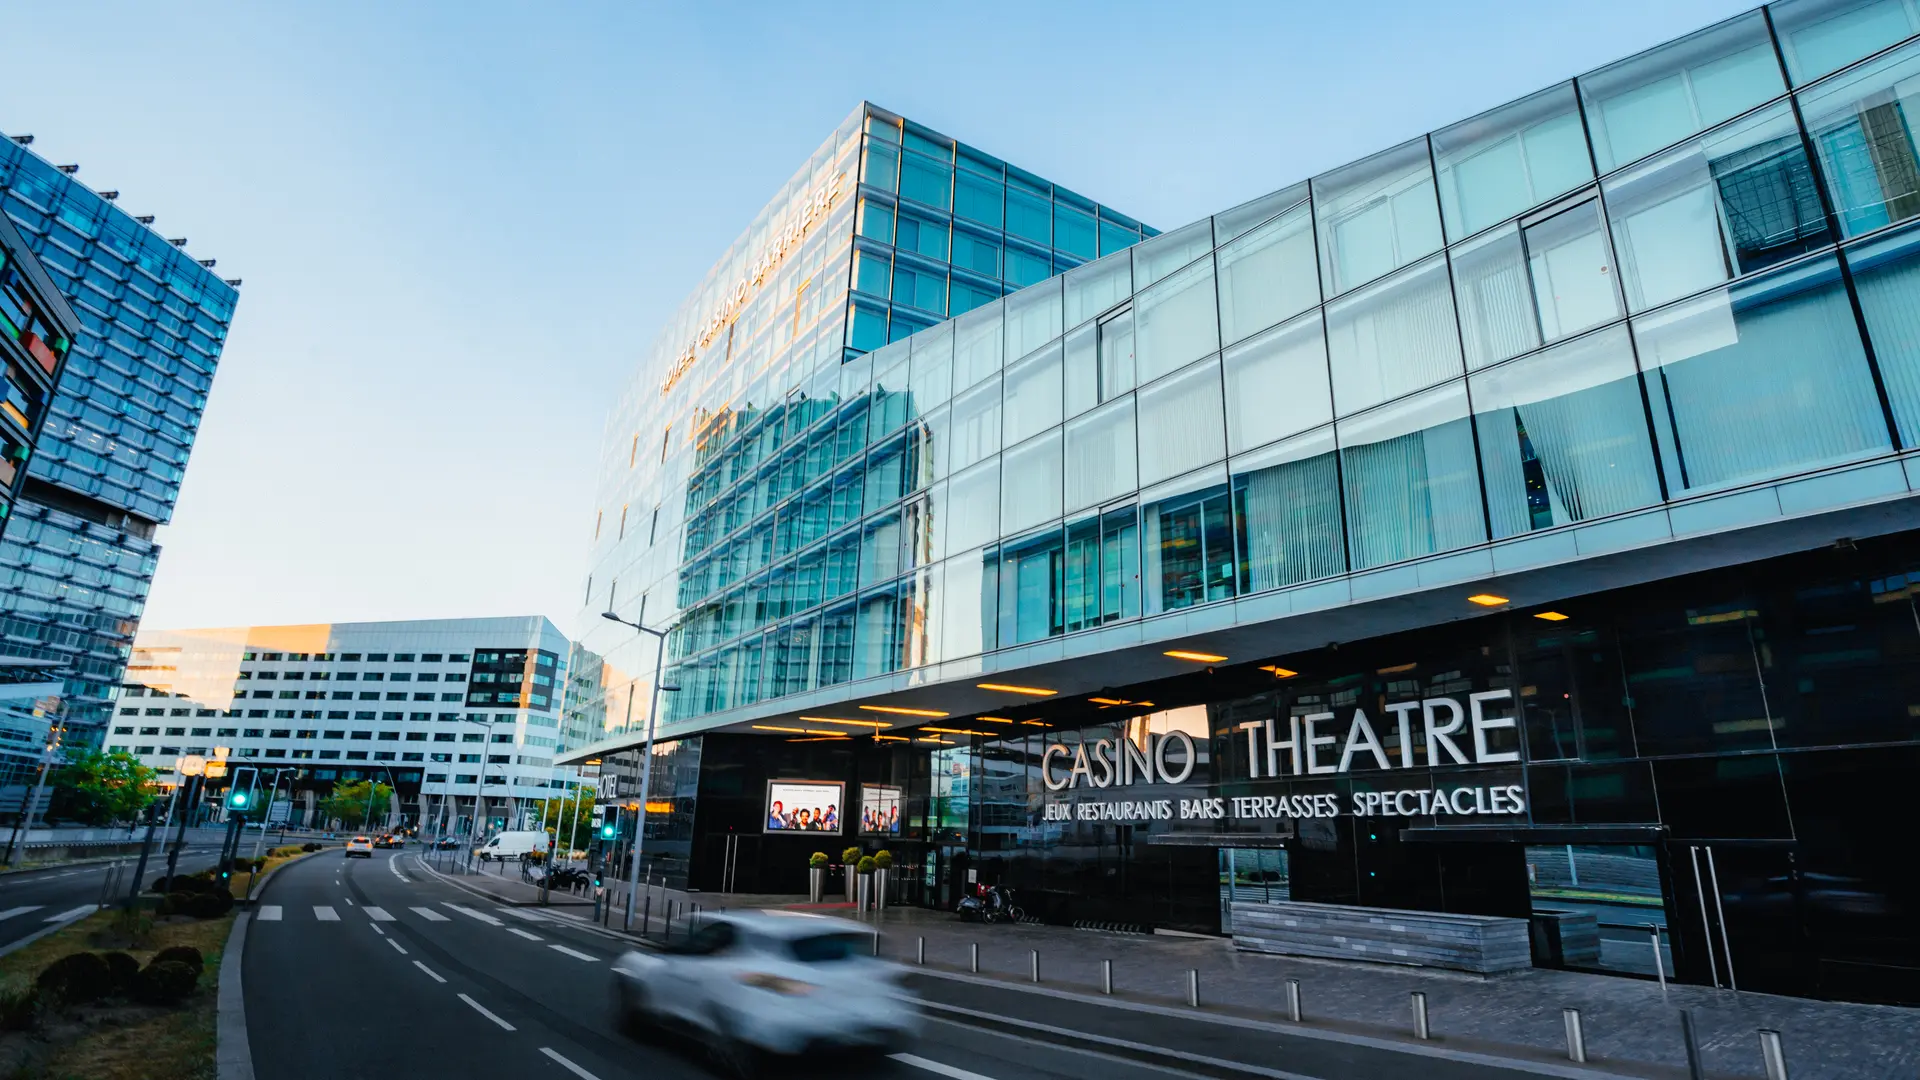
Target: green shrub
(124, 969)
(817, 860)
(286, 852)
(850, 856)
(165, 982)
(76, 979)
(309, 846)
(865, 865)
(182, 954)
(883, 859)
(184, 883)
(19, 1003)
(205, 905)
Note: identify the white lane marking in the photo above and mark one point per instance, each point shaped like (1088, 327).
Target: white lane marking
(349, 903)
(484, 1011)
(434, 975)
(11, 912)
(518, 914)
(74, 913)
(472, 914)
(429, 914)
(393, 864)
(396, 946)
(325, 914)
(377, 930)
(378, 914)
(269, 913)
(522, 933)
(937, 1068)
(575, 953)
(568, 1065)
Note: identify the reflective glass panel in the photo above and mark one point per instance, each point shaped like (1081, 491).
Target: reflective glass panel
(1116, 368)
(1393, 337)
(931, 370)
(1734, 201)
(1563, 435)
(1276, 384)
(1862, 129)
(1097, 286)
(967, 595)
(1032, 570)
(973, 506)
(1100, 455)
(1033, 389)
(1758, 380)
(1886, 272)
(1645, 102)
(1033, 318)
(976, 425)
(1155, 258)
(1187, 542)
(1496, 313)
(1287, 510)
(1411, 485)
(1030, 483)
(1230, 224)
(1175, 322)
(1181, 424)
(1376, 216)
(977, 340)
(1269, 275)
(1572, 271)
(1822, 36)
(1082, 347)
(1502, 162)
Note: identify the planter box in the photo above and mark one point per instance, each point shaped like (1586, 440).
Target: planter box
(1479, 943)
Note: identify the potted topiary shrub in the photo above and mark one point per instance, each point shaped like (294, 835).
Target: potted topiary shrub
(816, 876)
(865, 870)
(850, 859)
(882, 872)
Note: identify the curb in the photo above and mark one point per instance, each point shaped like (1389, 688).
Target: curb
(232, 1054)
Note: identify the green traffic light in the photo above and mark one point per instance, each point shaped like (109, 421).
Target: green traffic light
(238, 800)
(607, 832)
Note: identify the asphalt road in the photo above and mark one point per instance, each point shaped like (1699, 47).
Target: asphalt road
(376, 968)
(33, 900)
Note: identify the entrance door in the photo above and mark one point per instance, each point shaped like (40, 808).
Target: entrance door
(1736, 916)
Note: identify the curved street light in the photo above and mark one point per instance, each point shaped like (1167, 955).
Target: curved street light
(646, 764)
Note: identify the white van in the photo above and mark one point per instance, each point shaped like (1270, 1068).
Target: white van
(513, 845)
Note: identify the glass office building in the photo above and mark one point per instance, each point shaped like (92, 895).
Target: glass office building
(1519, 521)
(79, 552)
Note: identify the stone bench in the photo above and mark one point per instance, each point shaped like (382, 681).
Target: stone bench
(1479, 943)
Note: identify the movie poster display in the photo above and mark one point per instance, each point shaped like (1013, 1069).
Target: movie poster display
(803, 806)
(879, 810)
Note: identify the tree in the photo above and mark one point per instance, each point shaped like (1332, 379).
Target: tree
(98, 789)
(348, 802)
(570, 821)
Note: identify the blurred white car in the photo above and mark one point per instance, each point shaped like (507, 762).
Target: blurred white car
(769, 983)
(361, 846)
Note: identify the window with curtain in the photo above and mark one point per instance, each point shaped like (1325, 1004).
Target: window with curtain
(1376, 216)
(878, 634)
(1886, 273)
(1268, 275)
(1572, 272)
(1175, 322)
(1411, 485)
(1563, 435)
(1517, 156)
(1181, 423)
(1030, 482)
(1393, 337)
(1100, 461)
(1277, 384)
(1655, 99)
(1823, 36)
(1735, 201)
(1862, 129)
(1496, 309)
(834, 658)
(1760, 379)
(1287, 511)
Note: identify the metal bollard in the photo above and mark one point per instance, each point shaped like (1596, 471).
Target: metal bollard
(876, 943)
(973, 959)
(1033, 964)
(1659, 964)
(1420, 1028)
(1773, 1055)
(1193, 987)
(646, 917)
(1692, 1042)
(1293, 1000)
(920, 953)
(1106, 976)
(1576, 1035)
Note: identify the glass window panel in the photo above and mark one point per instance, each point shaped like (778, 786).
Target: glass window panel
(879, 646)
(1822, 36)
(973, 506)
(1116, 237)
(1181, 426)
(1276, 384)
(1156, 258)
(1116, 373)
(880, 548)
(1081, 588)
(978, 199)
(1496, 311)
(976, 253)
(1097, 286)
(873, 273)
(976, 424)
(1410, 482)
(880, 166)
(1661, 96)
(1026, 268)
(1376, 216)
(1760, 379)
(1187, 542)
(1517, 156)
(967, 596)
(866, 327)
(923, 236)
(1269, 275)
(977, 339)
(1120, 564)
(1033, 395)
(925, 180)
(1031, 583)
(1030, 483)
(1082, 369)
(1230, 224)
(917, 286)
(876, 221)
(1737, 200)
(930, 437)
(1886, 273)
(1176, 321)
(834, 658)
(1572, 272)
(1100, 461)
(931, 378)
(1287, 510)
(1073, 232)
(1862, 129)
(1563, 435)
(1033, 318)
(1029, 216)
(1393, 338)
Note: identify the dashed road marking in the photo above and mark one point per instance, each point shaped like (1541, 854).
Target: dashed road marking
(472, 914)
(937, 1068)
(325, 914)
(378, 914)
(393, 864)
(522, 933)
(432, 974)
(568, 1065)
(575, 953)
(269, 913)
(397, 947)
(484, 1011)
(11, 912)
(349, 903)
(518, 914)
(429, 914)
(74, 913)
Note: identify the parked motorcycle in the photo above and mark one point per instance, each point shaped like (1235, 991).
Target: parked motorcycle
(991, 904)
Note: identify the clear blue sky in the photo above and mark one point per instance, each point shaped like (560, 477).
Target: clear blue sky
(460, 223)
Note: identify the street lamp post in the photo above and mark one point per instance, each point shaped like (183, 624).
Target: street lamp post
(646, 764)
(479, 785)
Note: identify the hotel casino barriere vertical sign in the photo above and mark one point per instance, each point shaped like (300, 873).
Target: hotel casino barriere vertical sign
(1303, 747)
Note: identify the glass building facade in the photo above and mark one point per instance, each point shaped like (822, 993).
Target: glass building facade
(78, 554)
(1517, 522)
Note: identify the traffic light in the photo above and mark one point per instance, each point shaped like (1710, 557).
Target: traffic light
(240, 792)
(609, 831)
(239, 799)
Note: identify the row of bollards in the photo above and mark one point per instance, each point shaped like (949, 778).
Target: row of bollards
(1771, 1051)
